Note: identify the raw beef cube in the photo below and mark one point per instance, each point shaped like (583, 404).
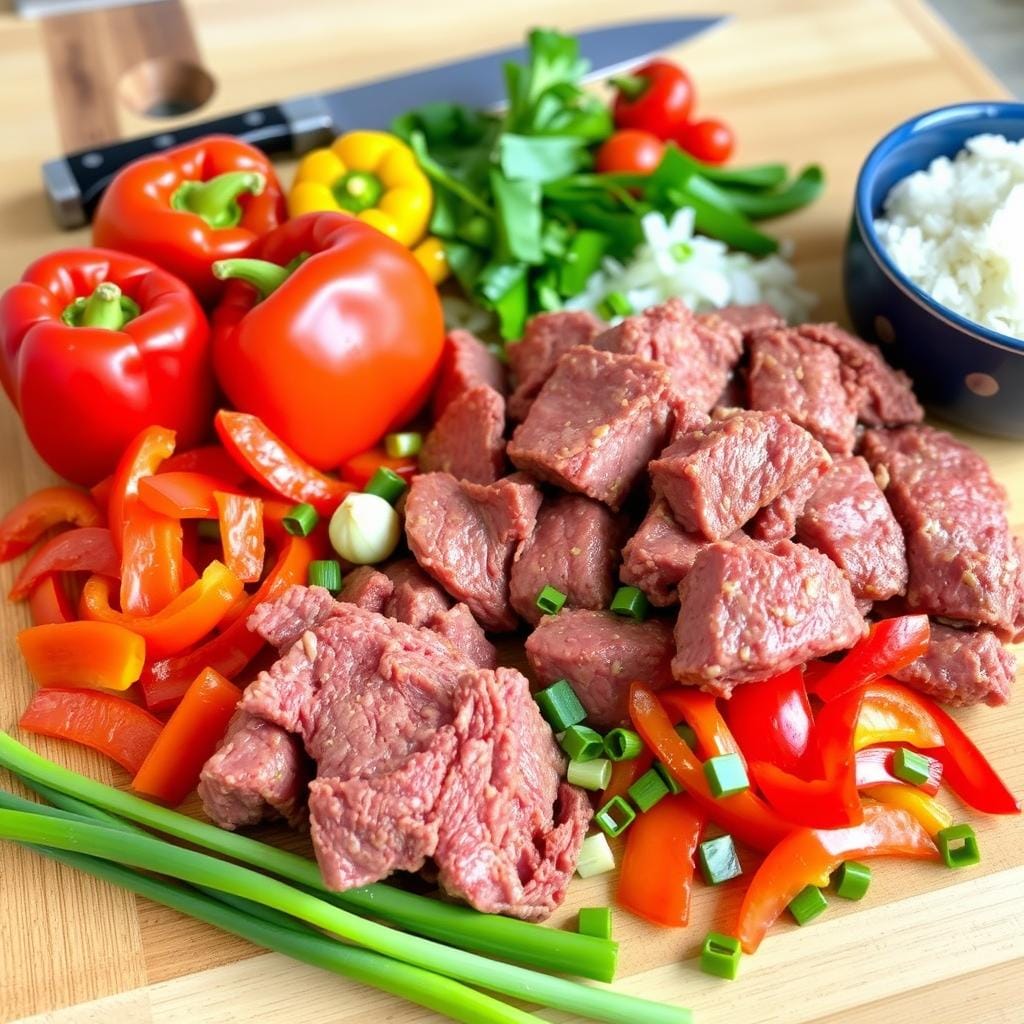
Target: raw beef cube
(601, 653)
(749, 612)
(466, 363)
(595, 424)
(716, 478)
(468, 440)
(751, 319)
(777, 520)
(575, 549)
(366, 587)
(849, 520)
(465, 535)
(465, 634)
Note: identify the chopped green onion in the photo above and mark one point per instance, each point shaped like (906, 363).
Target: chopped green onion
(808, 903)
(550, 600)
(623, 745)
(325, 573)
(615, 817)
(668, 778)
(681, 251)
(208, 529)
(720, 956)
(400, 446)
(726, 775)
(959, 846)
(386, 484)
(687, 735)
(596, 921)
(615, 304)
(596, 857)
(300, 520)
(582, 743)
(718, 860)
(648, 790)
(911, 766)
(592, 775)
(632, 602)
(852, 880)
(560, 706)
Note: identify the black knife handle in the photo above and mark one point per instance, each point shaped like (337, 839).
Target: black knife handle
(75, 182)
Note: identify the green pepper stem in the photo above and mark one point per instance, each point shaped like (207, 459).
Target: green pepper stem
(263, 275)
(106, 308)
(356, 191)
(216, 200)
(631, 86)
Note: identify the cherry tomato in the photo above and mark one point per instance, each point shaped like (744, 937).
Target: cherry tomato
(630, 152)
(656, 98)
(711, 141)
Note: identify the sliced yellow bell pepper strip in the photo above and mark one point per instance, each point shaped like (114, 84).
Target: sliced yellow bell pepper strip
(430, 256)
(931, 815)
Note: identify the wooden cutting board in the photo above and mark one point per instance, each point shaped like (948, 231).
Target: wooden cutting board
(801, 80)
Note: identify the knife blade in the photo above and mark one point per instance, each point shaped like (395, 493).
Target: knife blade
(75, 182)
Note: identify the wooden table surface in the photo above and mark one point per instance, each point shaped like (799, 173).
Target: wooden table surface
(801, 80)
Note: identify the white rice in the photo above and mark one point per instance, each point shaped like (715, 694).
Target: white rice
(957, 231)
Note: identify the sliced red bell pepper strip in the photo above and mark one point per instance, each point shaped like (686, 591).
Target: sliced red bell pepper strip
(241, 534)
(183, 495)
(657, 867)
(744, 815)
(624, 774)
(141, 458)
(151, 557)
(772, 722)
(890, 645)
(183, 622)
(52, 506)
(209, 460)
(927, 811)
(269, 461)
(874, 768)
(101, 492)
(171, 770)
(99, 655)
(359, 470)
(892, 713)
(808, 855)
(164, 682)
(115, 727)
(87, 549)
(700, 712)
(49, 602)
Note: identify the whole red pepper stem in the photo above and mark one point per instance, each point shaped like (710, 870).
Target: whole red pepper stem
(631, 86)
(106, 308)
(263, 275)
(216, 200)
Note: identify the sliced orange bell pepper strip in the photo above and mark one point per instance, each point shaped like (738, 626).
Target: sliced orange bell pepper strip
(657, 867)
(49, 602)
(141, 458)
(151, 560)
(744, 815)
(39, 512)
(183, 495)
(930, 814)
(624, 774)
(87, 549)
(809, 855)
(700, 712)
(241, 534)
(183, 622)
(100, 655)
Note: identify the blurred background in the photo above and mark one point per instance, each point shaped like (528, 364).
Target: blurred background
(994, 29)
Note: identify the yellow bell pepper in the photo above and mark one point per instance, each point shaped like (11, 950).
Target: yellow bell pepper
(430, 256)
(932, 816)
(372, 175)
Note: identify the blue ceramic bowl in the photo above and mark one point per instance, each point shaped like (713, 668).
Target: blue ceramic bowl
(964, 373)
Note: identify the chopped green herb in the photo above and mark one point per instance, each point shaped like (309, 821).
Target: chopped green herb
(386, 484)
(720, 956)
(668, 778)
(550, 600)
(615, 304)
(631, 602)
(911, 766)
(648, 790)
(959, 846)
(560, 706)
(596, 857)
(582, 743)
(615, 817)
(400, 446)
(852, 879)
(726, 775)
(300, 520)
(593, 775)
(325, 573)
(808, 904)
(596, 921)
(623, 744)
(718, 860)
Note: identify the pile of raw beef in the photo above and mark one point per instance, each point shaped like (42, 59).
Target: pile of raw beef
(708, 460)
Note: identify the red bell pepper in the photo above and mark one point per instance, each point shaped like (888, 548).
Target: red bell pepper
(171, 769)
(94, 347)
(99, 655)
(186, 207)
(115, 727)
(140, 458)
(874, 768)
(269, 461)
(87, 549)
(49, 602)
(183, 495)
(700, 711)
(241, 533)
(164, 682)
(807, 857)
(657, 868)
(890, 645)
(333, 337)
(744, 815)
(39, 512)
(772, 722)
(359, 470)
(209, 460)
(624, 774)
(151, 560)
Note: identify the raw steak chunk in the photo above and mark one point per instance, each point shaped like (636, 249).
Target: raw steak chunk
(715, 478)
(849, 520)
(699, 353)
(749, 612)
(466, 535)
(601, 653)
(464, 633)
(963, 667)
(547, 338)
(575, 549)
(962, 559)
(750, 319)
(366, 587)
(283, 621)
(595, 424)
(466, 363)
(790, 373)
(468, 439)
(777, 520)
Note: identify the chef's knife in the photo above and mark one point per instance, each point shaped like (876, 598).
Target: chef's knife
(75, 182)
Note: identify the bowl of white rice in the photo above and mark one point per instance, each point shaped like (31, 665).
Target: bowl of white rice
(934, 269)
